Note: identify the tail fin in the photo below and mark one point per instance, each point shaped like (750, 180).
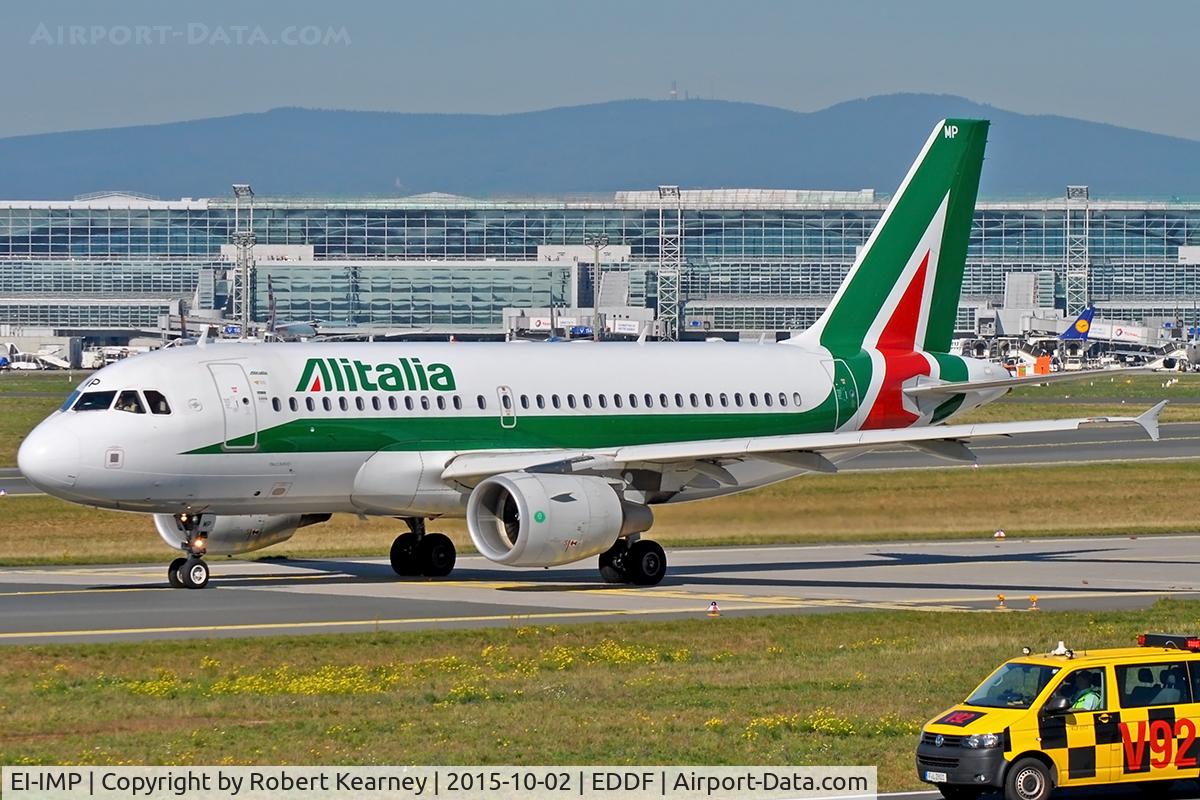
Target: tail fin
(902, 292)
(1079, 329)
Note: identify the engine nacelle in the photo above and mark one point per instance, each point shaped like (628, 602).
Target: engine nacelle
(524, 519)
(236, 534)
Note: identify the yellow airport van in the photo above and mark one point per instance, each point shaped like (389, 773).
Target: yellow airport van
(1069, 718)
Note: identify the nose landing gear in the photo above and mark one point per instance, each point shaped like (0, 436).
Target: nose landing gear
(191, 571)
(419, 553)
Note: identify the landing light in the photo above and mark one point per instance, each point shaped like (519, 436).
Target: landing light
(199, 544)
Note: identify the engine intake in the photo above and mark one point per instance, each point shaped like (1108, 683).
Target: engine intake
(526, 519)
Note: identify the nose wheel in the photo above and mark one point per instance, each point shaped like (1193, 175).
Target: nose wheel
(188, 573)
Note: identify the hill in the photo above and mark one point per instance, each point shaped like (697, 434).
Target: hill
(624, 144)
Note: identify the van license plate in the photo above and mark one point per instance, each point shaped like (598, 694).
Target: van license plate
(935, 777)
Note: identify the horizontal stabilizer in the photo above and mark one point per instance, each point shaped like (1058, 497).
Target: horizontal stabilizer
(947, 388)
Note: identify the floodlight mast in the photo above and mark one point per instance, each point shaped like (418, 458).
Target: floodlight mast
(244, 241)
(598, 242)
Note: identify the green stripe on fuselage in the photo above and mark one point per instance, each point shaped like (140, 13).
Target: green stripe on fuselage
(454, 432)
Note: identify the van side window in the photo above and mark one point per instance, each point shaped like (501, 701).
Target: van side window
(1084, 690)
(1159, 684)
(129, 401)
(158, 404)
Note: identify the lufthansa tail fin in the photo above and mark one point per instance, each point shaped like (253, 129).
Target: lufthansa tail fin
(1078, 331)
(902, 291)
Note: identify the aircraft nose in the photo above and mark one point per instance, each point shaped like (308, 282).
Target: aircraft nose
(49, 458)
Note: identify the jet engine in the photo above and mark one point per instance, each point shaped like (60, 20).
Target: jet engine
(228, 535)
(526, 519)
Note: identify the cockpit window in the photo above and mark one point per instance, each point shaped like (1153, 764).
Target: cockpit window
(95, 401)
(131, 402)
(158, 404)
(70, 401)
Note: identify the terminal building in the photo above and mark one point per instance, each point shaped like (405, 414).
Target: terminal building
(683, 263)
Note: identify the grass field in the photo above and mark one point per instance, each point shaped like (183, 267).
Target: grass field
(951, 503)
(832, 689)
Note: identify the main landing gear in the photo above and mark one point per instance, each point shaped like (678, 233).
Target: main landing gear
(191, 571)
(641, 562)
(419, 553)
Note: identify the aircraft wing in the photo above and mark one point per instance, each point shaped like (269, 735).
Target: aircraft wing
(948, 388)
(807, 451)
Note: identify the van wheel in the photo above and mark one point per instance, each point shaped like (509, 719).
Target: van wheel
(1028, 779)
(960, 792)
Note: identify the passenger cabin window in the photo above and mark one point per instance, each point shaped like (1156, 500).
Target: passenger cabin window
(129, 401)
(441, 402)
(457, 403)
(602, 399)
(570, 401)
(408, 404)
(1159, 684)
(524, 401)
(95, 401)
(587, 401)
(650, 400)
(424, 403)
(737, 399)
(724, 400)
(767, 400)
(753, 400)
(633, 401)
(158, 404)
(392, 404)
(275, 404)
(708, 400)
(292, 404)
(783, 398)
(554, 401)
(481, 402)
(541, 401)
(309, 404)
(327, 404)
(616, 401)
(796, 398)
(679, 400)
(664, 401)
(343, 404)
(375, 403)
(360, 404)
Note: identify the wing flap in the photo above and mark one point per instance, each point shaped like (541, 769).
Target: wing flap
(802, 450)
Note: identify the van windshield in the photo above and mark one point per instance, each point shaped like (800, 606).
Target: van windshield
(1012, 686)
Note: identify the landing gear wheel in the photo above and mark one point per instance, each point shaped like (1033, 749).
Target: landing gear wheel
(612, 562)
(405, 560)
(436, 555)
(194, 573)
(1028, 779)
(173, 576)
(646, 563)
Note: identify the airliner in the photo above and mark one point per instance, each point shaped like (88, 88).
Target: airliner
(553, 454)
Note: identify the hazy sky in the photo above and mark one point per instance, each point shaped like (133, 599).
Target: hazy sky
(72, 64)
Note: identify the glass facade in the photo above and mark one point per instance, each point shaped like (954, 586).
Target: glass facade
(456, 262)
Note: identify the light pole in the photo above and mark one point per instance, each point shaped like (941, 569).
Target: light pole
(598, 242)
(243, 240)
